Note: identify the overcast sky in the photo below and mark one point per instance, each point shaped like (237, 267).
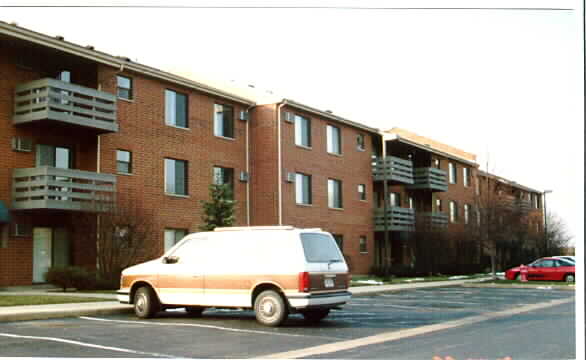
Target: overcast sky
(506, 85)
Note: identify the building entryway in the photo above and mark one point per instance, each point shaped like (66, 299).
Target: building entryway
(50, 248)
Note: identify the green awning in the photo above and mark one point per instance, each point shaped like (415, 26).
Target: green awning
(4, 214)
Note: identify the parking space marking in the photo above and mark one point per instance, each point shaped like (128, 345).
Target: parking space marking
(202, 326)
(95, 346)
(401, 334)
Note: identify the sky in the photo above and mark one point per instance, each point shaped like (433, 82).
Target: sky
(504, 84)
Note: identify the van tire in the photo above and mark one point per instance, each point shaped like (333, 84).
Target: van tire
(315, 315)
(270, 308)
(194, 310)
(146, 304)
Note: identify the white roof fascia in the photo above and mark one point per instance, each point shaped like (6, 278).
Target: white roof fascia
(396, 137)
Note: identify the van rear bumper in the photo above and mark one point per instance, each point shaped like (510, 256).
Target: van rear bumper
(328, 300)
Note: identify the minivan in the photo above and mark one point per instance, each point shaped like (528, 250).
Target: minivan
(274, 270)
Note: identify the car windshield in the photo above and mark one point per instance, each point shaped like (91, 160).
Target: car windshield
(566, 262)
(320, 248)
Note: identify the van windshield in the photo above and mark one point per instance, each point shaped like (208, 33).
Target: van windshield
(320, 248)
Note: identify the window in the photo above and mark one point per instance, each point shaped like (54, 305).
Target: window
(335, 194)
(438, 205)
(436, 163)
(224, 121)
(466, 213)
(453, 212)
(303, 189)
(411, 203)
(362, 245)
(122, 236)
(395, 199)
(536, 201)
(224, 176)
(360, 142)
(55, 156)
(176, 177)
(173, 236)
(302, 131)
(339, 241)
(334, 140)
(124, 87)
(452, 173)
(123, 161)
(361, 191)
(466, 177)
(175, 109)
(320, 248)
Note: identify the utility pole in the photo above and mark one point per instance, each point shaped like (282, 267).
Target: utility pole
(545, 235)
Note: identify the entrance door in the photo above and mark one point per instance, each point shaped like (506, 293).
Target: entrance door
(42, 254)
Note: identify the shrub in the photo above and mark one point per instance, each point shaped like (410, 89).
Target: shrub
(66, 276)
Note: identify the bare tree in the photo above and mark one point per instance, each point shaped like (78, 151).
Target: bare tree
(124, 235)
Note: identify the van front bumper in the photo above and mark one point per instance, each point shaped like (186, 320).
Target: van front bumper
(324, 301)
(123, 296)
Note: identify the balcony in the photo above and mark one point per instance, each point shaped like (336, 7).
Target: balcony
(429, 178)
(394, 169)
(432, 220)
(398, 219)
(58, 101)
(46, 187)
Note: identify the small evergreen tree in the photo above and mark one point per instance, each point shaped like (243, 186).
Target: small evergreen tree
(219, 211)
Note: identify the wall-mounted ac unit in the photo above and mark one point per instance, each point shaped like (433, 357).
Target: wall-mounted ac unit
(22, 144)
(244, 115)
(244, 176)
(290, 177)
(289, 117)
(22, 230)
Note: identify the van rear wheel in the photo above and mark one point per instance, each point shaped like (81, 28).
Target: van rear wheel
(146, 304)
(270, 308)
(316, 315)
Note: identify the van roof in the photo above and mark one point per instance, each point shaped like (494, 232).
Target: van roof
(248, 228)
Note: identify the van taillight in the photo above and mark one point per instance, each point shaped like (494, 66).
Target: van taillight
(304, 282)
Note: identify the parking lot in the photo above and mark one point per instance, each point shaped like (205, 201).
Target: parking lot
(236, 334)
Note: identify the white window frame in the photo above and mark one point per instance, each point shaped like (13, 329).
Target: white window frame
(334, 139)
(299, 122)
(452, 173)
(301, 197)
(453, 211)
(332, 185)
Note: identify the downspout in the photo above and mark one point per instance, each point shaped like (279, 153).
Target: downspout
(385, 205)
(279, 164)
(248, 165)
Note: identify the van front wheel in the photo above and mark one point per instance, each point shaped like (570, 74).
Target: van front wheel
(270, 308)
(146, 303)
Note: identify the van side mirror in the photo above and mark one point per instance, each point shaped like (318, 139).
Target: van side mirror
(170, 259)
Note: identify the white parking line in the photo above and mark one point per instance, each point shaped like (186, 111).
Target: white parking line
(401, 334)
(199, 326)
(79, 343)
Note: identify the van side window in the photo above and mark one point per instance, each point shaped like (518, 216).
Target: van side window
(191, 250)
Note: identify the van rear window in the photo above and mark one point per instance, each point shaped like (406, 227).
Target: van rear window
(320, 248)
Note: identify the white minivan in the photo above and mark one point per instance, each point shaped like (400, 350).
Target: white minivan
(275, 270)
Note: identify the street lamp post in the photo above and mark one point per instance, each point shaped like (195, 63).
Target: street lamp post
(545, 222)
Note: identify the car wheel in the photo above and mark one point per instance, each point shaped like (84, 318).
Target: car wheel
(270, 308)
(146, 304)
(518, 277)
(314, 316)
(570, 278)
(194, 310)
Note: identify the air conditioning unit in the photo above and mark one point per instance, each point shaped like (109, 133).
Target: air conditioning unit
(289, 117)
(244, 176)
(291, 177)
(22, 230)
(244, 115)
(22, 144)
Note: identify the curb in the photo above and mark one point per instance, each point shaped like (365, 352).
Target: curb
(514, 286)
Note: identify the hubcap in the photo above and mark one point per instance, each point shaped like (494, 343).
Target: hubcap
(140, 303)
(268, 308)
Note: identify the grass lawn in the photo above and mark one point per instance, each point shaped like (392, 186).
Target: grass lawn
(17, 300)
(359, 280)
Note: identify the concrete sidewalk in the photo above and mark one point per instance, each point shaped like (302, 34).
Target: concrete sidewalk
(110, 306)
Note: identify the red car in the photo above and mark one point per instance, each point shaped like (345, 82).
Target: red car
(545, 269)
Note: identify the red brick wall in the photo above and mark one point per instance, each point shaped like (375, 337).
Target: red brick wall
(353, 167)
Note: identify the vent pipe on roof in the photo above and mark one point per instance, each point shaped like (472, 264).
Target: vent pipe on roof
(59, 37)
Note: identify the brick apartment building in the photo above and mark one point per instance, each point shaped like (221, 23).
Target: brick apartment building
(80, 129)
